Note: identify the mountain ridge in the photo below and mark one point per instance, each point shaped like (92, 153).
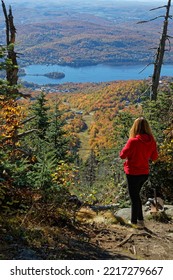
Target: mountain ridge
(79, 35)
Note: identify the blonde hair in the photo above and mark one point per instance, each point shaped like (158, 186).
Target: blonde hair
(140, 126)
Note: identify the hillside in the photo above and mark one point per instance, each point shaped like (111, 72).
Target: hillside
(80, 34)
(91, 109)
(54, 227)
(98, 105)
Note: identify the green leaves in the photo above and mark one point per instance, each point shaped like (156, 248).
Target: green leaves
(122, 124)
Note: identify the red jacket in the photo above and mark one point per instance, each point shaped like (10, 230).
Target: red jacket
(139, 151)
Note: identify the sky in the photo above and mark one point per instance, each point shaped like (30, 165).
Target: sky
(13, 1)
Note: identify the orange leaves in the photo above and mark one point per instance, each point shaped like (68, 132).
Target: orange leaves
(76, 125)
(101, 102)
(92, 109)
(166, 149)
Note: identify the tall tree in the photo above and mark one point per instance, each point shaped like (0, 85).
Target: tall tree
(160, 53)
(90, 168)
(12, 65)
(56, 136)
(41, 120)
(160, 50)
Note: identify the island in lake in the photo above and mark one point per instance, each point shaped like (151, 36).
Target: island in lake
(55, 75)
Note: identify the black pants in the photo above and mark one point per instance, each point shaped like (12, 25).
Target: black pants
(135, 183)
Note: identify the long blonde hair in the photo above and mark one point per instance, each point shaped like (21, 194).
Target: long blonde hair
(140, 126)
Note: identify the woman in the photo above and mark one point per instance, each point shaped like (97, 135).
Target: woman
(139, 149)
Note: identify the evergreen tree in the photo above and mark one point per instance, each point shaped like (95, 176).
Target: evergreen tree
(40, 173)
(56, 135)
(160, 116)
(90, 169)
(122, 124)
(40, 110)
(159, 112)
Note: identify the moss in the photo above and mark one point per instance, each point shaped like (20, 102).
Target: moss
(160, 217)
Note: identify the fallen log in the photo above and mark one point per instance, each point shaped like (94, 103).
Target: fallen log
(104, 207)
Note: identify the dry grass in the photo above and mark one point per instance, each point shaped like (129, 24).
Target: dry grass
(84, 152)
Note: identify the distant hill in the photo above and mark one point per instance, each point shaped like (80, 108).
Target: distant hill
(79, 33)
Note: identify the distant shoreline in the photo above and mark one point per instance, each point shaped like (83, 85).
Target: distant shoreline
(82, 64)
(51, 75)
(38, 73)
(88, 64)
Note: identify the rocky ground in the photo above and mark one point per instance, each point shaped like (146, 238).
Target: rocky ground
(93, 236)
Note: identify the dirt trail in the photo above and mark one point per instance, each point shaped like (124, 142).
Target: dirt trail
(115, 237)
(153, 242)
(89, 240)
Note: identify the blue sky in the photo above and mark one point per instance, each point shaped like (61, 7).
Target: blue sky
(161, 1)
(12, 2)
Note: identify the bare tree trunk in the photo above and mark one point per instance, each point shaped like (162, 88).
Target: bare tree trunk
(12, 68)
(159, 55)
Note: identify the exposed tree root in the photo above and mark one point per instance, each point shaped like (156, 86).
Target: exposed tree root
(131, 235)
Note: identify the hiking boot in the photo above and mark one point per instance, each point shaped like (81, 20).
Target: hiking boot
(141, 224)
(132, 224)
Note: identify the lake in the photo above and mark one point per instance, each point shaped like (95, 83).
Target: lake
(93, 74)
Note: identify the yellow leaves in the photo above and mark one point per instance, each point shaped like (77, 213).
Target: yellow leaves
(33, 159)
(65, 174)
(166, 149)
(10, 121)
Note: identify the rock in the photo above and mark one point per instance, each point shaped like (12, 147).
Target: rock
(124, 213)
(169, 210)
(28, 254)
(8, 238)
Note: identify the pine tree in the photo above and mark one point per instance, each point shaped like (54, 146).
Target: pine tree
(160, 116)
(41, 120)
(56, 135)
(90, 169)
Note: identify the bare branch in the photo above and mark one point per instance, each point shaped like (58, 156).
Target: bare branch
(28, 120)
(24, 95)
(27, 153)
(145, 21)
(145, 67)
(169, 44)
(26, 133)
(153, 48)
(20, 135)
(165, 6)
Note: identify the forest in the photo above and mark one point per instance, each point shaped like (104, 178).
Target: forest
(59, 152)
(80, 34)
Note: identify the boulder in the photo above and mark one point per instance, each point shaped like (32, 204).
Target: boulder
(125, 213)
